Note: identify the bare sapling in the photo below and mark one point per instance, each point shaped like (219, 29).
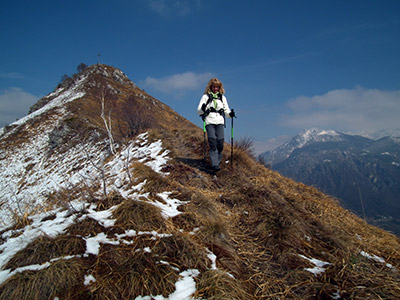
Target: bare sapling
(107, 124)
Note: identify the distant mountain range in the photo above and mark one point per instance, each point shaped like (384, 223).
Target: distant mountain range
(363, 173)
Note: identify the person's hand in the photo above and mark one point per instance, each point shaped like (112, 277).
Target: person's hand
(232, 113)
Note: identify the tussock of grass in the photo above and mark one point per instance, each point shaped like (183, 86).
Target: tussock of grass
(182, 251)
(44, 248)
(59, 279)
(112, 199)
(202, 205)
(155, 183)
(213, 230)
(85, 227)
(139, 216)
(188, 221)
(148, 266)
(217, 285)
(128, 272)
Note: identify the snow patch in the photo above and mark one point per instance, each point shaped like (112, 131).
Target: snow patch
(185, 287)
(376, 258)
(319, 265)
(28, 175)
(89, 279)
(169, 209)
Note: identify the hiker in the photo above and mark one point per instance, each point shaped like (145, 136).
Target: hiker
(213, 108)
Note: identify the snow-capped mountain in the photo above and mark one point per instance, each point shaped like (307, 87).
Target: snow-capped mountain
(363, 173)
(392, 133)
(52, 148)
(105, 195)
(303, 139)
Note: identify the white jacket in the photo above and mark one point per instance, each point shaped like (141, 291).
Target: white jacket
(214, 117)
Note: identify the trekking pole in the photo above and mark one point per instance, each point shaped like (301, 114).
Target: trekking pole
(232, 142)
(204, 142)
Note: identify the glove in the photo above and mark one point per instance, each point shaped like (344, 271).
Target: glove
(203, 107)
(232, 113)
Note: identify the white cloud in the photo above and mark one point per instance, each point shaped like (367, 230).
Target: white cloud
(14, 104)
(178, 83)
(357, 111)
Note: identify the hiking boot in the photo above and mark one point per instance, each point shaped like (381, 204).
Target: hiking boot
(216, 168)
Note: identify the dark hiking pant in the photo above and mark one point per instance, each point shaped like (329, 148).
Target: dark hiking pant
(215, 134)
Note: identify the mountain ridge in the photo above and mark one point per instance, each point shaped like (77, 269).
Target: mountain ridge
(108, 197)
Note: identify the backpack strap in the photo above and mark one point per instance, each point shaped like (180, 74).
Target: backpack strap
(210, 98)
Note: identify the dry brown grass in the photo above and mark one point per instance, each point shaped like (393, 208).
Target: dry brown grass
(139, 216)
(128, 272)
(274, 219)
(59, 279)
(180, 250)
(43, 249)
(219, 285)
(20, 220)
(125, 272)
(85, 227)
(155, 183)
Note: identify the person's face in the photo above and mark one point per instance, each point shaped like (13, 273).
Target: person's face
(215, 88)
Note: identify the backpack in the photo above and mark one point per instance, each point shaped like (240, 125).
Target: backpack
(212, 109)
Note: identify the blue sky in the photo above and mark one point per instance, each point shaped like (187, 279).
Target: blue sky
(285, 65)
